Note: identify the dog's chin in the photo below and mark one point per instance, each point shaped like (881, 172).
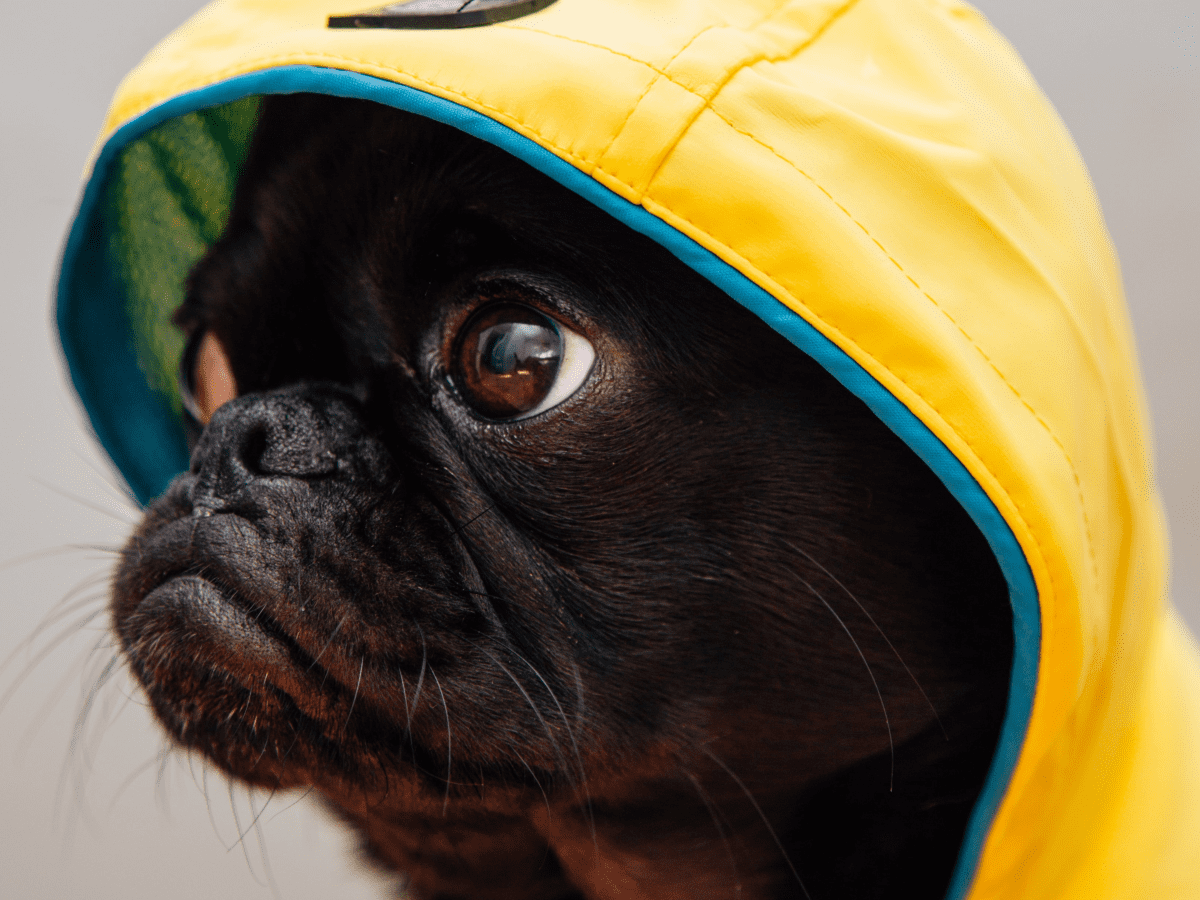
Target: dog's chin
(221, 679)
(225, 680)
(229, 683)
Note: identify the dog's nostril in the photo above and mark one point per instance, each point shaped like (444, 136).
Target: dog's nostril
(303, 432)
(252, 449)
(230, 456)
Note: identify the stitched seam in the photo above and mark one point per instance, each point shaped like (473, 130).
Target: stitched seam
(583, 43)
(660, 74)
(653, 81)
(1045, 425)
(729, 76)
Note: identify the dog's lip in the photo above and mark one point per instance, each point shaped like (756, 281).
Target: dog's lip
(218, 629)
(224, 637)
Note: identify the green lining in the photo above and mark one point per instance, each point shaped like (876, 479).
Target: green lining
(166, 201)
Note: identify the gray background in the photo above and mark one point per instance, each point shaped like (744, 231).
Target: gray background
(85, 817)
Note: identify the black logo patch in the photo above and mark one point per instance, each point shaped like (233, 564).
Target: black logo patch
(439, 14)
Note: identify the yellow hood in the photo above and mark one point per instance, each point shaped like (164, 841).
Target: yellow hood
(879, 180)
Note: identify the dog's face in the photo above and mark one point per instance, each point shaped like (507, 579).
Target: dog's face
(558, 573)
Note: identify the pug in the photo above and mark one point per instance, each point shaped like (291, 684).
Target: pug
(553, 570)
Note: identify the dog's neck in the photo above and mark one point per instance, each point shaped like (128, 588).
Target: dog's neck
(701, 830)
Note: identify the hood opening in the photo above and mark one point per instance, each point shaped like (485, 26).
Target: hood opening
(160, 194)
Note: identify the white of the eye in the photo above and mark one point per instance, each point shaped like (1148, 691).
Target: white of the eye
(578, 355)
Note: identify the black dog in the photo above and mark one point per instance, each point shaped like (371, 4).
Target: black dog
(557, 572)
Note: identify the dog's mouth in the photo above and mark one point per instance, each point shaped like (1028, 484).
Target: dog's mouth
(229, 681)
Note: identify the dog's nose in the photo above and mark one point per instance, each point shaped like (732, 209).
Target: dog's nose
(300, 432)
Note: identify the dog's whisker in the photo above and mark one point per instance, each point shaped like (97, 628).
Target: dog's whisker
(554, 744)
(80, 721)
(83, 501)
(758, 809)
(471, 521)
(421, 674)
(50, 552)
(134, 697)
(111, 705)
(408, 714)
(231, 787)
(123, 701)
(212, 819)
(32, 665)
(267, 738)
(119, 490)
(871, 672)
(580, 691)
(303, 795)
(282, 759)
(128, 781)
(241, 835)
(328, 643)
(65, 606)
(250, 796)
(353, 700)
(287, 754)
(533, 775)
(261, 840)
(75, 760)
(200, 785)
(882, 634)
(583, 782)
(449, 756)
(164, 755)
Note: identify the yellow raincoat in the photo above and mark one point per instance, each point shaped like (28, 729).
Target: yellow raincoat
(879, 180)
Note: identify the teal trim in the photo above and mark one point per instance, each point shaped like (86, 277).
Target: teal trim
(148, 446)
(137, 426)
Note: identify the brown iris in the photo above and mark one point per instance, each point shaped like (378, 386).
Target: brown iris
(506, 359)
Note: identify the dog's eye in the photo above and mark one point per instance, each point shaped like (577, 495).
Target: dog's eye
(205, 376)
(512, 362)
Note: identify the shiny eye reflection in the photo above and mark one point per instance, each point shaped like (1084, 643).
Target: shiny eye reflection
(512, 362)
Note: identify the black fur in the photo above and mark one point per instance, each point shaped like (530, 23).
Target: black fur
(647, 644)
